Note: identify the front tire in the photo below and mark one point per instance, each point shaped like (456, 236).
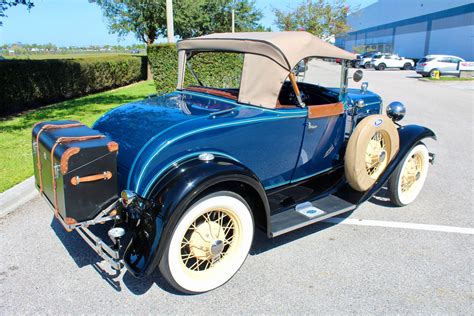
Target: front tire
(409, 177)
(407, 66)
(367, 65)
(209, 244)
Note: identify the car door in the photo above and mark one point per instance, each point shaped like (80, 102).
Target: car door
(453, 65)
(324, 126)
(445, 66)
(322, 141)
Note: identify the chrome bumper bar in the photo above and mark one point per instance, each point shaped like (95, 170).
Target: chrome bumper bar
(110, 255)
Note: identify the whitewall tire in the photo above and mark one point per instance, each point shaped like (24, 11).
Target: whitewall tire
(209, 244)
(408, 179)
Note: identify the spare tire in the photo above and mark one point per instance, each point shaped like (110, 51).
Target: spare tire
(372, 145)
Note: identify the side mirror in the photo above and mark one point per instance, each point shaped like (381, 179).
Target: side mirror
(358, 75)
(396, 111)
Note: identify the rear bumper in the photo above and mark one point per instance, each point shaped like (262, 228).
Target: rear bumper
(423, 73)
(110, 253)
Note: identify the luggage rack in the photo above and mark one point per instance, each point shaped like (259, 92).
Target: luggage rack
(111, 254)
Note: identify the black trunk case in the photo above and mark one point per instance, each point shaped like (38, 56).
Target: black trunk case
(96, 156)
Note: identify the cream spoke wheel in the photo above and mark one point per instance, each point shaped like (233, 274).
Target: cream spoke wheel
(376, 154)
(409, 177)
(209, 244)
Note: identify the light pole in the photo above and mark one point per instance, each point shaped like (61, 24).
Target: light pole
(169, 21)
(233, 21)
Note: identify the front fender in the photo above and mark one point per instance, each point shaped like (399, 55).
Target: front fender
(172, 195)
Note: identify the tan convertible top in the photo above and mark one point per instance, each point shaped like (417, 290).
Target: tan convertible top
(269, 58)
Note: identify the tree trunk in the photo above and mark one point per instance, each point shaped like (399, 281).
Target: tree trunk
(149, 74)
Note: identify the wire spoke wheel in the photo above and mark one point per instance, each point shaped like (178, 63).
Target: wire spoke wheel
(409, 177)
(412, 172)
(376, 154)
(208, 240)
(209, 244)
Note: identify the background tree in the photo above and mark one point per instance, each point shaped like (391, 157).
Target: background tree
(5, 4)
(147, 18)
(320, 17)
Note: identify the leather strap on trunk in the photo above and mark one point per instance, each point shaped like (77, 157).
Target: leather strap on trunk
(61, 140)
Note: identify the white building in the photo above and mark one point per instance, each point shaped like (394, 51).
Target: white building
(413, 28)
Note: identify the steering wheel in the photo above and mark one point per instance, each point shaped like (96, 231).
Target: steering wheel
(294, 100)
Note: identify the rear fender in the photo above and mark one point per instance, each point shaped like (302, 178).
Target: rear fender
(172, 195)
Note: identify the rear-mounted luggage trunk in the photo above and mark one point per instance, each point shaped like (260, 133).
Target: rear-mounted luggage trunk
(75, 169)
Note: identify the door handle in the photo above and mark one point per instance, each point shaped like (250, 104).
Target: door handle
(311, 125)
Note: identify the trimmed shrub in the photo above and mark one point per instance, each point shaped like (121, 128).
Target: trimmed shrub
(30, 83)
(220, 70)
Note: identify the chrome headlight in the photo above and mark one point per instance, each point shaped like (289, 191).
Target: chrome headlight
(396, 111)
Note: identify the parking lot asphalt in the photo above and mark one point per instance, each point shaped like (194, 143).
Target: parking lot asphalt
(338, 268)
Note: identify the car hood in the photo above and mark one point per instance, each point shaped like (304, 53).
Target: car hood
(132, 125)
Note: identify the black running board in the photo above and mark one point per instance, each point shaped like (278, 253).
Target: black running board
(308, 213)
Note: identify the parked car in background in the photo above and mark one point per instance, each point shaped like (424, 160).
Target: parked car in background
(382, 61)
(363, 60)
(445, 64)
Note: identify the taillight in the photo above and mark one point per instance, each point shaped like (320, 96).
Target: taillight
(423, 64)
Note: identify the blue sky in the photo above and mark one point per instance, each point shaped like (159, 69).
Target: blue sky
(80, 23)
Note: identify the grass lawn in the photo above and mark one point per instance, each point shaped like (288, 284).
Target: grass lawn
(450, 79)
(15, 132)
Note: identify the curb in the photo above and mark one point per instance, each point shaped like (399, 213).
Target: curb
(15, 197)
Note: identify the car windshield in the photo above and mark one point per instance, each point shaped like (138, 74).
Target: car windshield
(323, 73)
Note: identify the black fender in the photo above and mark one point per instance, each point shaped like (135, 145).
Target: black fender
(171, 195)
(409, 136)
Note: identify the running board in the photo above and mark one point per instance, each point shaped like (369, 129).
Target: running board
(308, 213)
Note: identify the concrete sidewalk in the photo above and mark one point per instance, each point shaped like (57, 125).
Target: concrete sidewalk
(17, 196)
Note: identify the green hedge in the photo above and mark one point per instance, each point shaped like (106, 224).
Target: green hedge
(30, 83)
(221, 70)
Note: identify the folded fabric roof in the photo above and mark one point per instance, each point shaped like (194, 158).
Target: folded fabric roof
(269, 57)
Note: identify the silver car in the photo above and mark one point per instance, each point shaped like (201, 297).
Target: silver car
(445, 64)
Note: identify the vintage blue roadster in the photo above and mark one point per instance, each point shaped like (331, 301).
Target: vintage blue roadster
(199, 168)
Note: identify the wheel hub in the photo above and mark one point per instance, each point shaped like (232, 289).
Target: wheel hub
(382, 156)
(216, 247)
(204, 241)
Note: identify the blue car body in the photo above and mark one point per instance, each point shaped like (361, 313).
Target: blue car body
(158, 132)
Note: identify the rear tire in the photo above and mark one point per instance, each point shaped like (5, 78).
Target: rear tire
(408, 179)
(209, 244)
(367, 65)
(407, 66)
(381, 67)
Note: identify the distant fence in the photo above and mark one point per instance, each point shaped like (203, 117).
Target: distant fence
(27, 84)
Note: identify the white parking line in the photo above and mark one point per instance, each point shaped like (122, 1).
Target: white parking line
(368, 222)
